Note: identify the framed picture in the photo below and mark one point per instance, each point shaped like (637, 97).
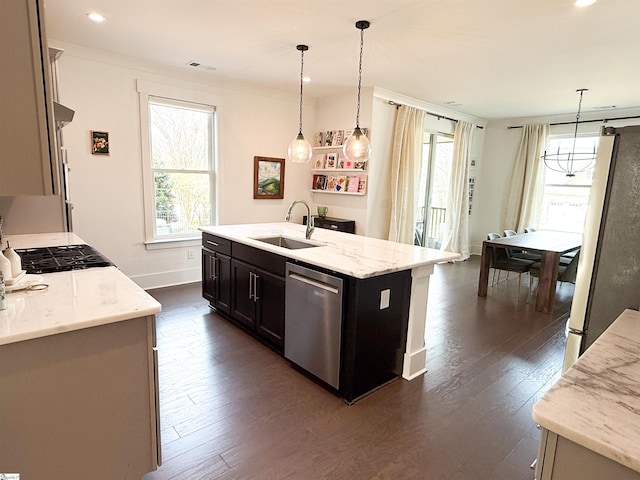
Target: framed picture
(268, 178)
(99, 143)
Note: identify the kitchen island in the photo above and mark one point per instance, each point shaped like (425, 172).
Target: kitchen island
(78, 374)
(366, 262)
(590, 418)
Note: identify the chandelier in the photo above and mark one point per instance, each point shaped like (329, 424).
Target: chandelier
(574, 161)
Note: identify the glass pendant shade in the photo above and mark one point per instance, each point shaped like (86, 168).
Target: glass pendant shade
(300, 150)
(357, 147)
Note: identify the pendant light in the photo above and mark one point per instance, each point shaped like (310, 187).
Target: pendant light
(300, 150)
(571, 162)
(357, 147)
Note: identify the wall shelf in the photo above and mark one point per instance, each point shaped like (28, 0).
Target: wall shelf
(338, 193)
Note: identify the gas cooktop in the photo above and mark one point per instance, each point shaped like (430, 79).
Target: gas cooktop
(61, 258)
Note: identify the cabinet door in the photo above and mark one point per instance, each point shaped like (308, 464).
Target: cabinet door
(270, 307)
(242, 300)
(208, 275)
(28, 137)
(222, 299)
(216, 279)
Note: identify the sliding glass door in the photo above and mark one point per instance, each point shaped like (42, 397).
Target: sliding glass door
(437, 157)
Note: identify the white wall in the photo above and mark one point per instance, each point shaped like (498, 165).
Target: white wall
(107, 190)
(500, 148)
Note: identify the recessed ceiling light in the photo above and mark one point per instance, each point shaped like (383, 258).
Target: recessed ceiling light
(96, 17)
(584, 3)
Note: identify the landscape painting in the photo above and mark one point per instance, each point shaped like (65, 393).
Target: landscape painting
(268, 182)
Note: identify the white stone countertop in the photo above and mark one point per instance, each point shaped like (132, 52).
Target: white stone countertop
(74, 300)
(353, 255)
(596, 403)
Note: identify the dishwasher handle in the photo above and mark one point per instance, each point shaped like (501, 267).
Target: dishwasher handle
(315, 283)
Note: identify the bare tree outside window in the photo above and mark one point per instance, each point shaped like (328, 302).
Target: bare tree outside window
(182, 165)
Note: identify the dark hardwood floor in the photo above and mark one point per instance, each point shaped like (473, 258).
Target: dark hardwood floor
(233, 409)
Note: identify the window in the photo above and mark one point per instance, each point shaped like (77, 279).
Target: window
(179, 170)
(437, 156)
(564, 204)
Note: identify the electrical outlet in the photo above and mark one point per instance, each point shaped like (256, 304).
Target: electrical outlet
(385, 296)
(191, 254)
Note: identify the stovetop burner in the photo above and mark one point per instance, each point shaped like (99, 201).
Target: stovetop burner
(61, 258)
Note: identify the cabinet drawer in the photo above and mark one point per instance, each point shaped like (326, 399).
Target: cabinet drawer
(215, 243)
(266, 260)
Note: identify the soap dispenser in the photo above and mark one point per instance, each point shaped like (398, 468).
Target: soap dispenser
(14, 259)
(5, 267)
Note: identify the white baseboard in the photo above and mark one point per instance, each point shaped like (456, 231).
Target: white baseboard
(167, 279)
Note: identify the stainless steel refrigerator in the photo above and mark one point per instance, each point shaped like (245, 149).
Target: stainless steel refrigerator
(608, 277)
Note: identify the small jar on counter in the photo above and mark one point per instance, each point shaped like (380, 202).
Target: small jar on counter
(3, 293)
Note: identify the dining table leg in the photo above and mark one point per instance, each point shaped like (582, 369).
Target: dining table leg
(483, 281)
(547, 282)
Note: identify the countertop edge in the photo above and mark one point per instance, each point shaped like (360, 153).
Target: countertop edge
(554, 410)
(340, 244)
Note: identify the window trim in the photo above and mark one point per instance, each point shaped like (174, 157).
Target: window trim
(176, 96)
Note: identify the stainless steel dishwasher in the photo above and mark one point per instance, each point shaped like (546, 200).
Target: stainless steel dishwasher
(313, 322)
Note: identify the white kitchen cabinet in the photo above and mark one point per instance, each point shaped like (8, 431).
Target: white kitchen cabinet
(81, 404)
(27, 130)
(562, 459)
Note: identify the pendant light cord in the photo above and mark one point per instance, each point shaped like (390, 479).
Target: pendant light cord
(359, 78)
(301, 81)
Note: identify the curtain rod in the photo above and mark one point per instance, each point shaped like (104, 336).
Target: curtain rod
(604, 120)
(437, 115)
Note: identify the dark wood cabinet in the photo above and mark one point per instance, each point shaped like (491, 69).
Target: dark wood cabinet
(330, 223)
(216, 272)
(258, 295)
(270, 291)
(246, 284)
(242, 298)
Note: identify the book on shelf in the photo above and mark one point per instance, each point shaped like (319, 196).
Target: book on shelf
(319, 160)
(362, 185)
(318, 139)
(336, 183)
(353, 183)
(338, 138)
(319, 182)
(332, 160)
(328, 138)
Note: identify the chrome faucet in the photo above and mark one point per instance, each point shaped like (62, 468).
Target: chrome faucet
(309, 217)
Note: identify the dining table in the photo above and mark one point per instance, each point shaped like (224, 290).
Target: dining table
(550, 244)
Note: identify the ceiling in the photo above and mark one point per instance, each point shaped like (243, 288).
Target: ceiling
(486, 58)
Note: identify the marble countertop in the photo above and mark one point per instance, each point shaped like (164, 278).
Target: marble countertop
(596, 403)
(353, 255)
(74, 300)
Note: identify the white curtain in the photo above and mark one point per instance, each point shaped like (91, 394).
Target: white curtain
(456, 224)
(405, 173)
(524, 200)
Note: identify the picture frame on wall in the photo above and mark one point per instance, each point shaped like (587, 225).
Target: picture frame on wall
(268, 178)
(99, 143)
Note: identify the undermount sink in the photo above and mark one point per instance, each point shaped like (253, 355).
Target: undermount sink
(286, 242)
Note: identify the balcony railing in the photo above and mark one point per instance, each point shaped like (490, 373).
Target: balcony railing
(435, 223)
